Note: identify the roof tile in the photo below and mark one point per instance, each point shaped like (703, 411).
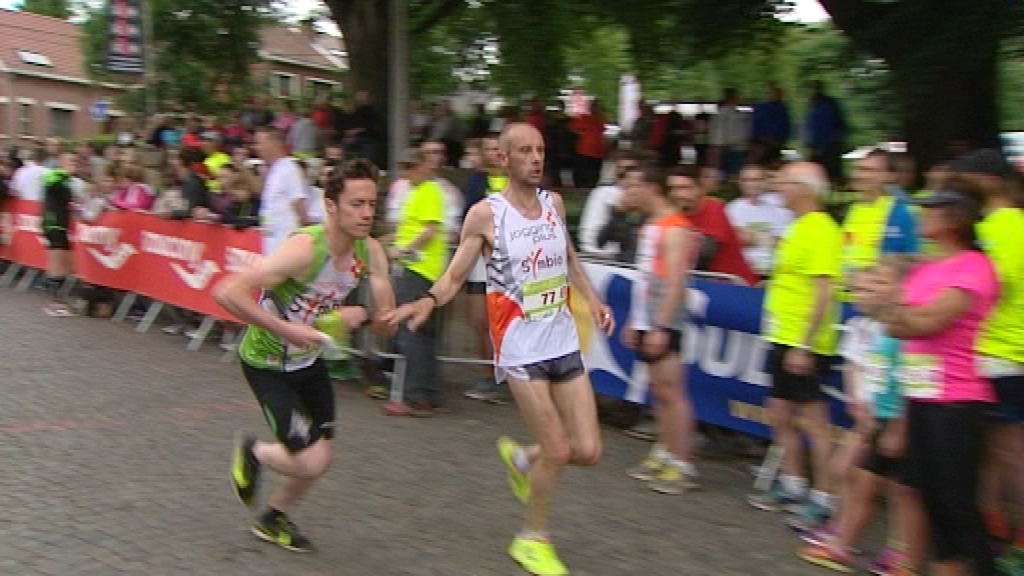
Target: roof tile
(56, 39)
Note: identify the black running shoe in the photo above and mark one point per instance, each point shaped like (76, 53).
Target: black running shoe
(245, 469)
(275, 527)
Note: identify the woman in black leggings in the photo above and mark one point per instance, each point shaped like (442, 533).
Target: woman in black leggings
(937, 314)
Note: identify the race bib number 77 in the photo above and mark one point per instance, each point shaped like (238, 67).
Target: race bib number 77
(544, 298)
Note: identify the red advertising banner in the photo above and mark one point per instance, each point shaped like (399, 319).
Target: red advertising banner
(173, 261)
(21, 238)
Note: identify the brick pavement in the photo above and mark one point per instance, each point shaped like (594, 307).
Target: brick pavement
(114, 448)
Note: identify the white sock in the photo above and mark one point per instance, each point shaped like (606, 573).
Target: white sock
(793, 485)
(534, 535)
(823, 499)
(521, 461)
(686, 468)
(659, 453)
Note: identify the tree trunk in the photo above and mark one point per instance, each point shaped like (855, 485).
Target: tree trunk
(364, 26)
(943, 55)
(948, 109)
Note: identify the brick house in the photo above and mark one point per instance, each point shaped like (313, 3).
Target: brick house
(301, 64)
(45, 89)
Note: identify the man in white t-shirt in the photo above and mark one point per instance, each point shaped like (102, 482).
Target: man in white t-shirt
(759, 223)
(27, 182)
(285, 198)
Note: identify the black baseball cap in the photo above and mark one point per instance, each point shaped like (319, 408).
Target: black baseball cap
(945, 197)
(986, 161)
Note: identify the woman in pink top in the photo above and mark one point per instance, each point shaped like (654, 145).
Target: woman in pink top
(937, 314)
(132, 192)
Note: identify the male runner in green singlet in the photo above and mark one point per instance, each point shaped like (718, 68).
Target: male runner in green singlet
(308, 276)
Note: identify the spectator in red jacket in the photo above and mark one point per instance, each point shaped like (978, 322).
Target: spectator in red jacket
(721, 250)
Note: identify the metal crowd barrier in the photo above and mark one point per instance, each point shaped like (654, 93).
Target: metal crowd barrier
(457, 350)
(457, 341)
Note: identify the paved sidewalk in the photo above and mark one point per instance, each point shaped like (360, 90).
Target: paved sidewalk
(114, 450)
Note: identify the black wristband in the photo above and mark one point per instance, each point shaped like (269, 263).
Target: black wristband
(429, 294)
(366, 321)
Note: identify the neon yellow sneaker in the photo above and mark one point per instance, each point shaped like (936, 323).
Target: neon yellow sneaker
(517, 480)
(672, 480)
(537, 557)
(245, 469)
(646, 470)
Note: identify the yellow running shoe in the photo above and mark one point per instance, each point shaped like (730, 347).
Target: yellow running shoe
(537, 557)
(245, 469)
(672, 480)
(646, 470)
(517, 479)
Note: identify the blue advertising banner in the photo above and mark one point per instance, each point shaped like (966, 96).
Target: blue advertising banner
(725, 357)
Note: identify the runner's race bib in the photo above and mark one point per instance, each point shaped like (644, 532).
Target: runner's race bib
(990, 367)
(544, 298)
(876, 375)
(921, 376)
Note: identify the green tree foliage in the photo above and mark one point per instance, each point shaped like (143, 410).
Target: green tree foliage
(944, 61)
(1011, 86)
(55, 8)
(597, 59)
(599, 52)
(204, 51)
(926, 69)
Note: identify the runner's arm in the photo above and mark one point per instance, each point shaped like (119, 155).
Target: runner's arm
(578, 278)
(932, 318)
(676, 247)
(471, 247)
(235, 292)
(380, 287)
(429, 230)
(301, 212)
(822, 300)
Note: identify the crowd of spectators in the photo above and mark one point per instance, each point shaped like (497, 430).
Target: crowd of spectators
(935, 272)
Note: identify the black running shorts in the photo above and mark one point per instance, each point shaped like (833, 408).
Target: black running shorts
(1010, 392)
(57, 239)
(877, 463)
(801, 389)
(298, 406)
(675, 346)
(561, 369)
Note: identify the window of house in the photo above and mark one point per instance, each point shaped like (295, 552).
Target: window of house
(3, 118)
(283, 86)
(34, 58)
(25, 119)
(60, 122)
(317, 88)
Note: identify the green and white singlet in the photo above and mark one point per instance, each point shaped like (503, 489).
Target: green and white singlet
(324, 288)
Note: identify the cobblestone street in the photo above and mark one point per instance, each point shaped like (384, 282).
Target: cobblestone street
(115, 449)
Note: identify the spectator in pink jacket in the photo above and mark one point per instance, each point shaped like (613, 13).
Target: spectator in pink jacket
(132, 192)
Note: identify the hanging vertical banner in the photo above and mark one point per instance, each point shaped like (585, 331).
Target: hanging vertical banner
(125, 54)
(629, 101)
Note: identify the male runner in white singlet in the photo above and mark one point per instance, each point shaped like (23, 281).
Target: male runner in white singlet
(530, 265)
(308, 277)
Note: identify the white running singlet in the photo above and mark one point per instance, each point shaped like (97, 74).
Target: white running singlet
(528, 286)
